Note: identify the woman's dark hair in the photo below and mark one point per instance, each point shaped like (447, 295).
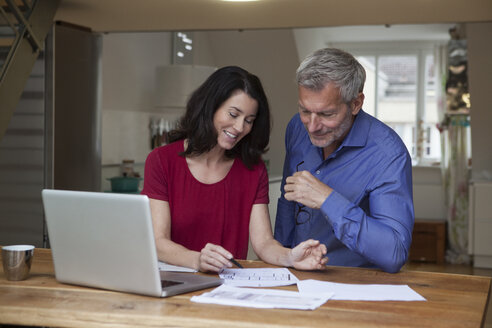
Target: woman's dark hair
(197, 123)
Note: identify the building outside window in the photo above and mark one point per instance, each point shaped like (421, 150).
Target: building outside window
(400, 90)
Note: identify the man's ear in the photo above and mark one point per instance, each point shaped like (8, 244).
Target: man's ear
(357, 103)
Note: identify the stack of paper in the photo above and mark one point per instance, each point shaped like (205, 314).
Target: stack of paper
(359, 292)
(265, 277)
(311, 295)
(262, 298)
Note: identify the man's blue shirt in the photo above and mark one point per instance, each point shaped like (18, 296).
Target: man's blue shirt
(367, 220)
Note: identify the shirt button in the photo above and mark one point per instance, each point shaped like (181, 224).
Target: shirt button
(318, 172)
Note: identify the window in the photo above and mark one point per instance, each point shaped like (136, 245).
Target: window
(400, 90)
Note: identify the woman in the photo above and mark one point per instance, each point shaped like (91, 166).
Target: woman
(208, 188)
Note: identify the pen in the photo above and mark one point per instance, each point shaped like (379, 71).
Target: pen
(236, 263)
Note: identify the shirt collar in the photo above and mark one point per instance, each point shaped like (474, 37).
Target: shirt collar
(359, 132)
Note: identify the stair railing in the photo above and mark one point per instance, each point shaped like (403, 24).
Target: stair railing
(30, 27)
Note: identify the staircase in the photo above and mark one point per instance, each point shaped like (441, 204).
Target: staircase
(24, 25)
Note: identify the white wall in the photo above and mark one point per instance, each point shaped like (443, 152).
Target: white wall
(479, 38)
(272, 56)
(128, 64)
(129, 60)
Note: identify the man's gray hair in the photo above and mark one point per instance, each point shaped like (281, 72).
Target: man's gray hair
(332, 65)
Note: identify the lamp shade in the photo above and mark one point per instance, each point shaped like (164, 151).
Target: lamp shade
(175, 83)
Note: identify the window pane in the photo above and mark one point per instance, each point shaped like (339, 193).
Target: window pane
(432, 140)
(397, 96)
(369, 64)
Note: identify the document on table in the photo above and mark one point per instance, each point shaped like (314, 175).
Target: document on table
(263, 277)
(262, 298)
(163, 266)
(357, 292)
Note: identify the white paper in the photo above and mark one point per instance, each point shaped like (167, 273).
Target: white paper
(358, 292)
(174, 268)
(262, 298)
(263, 277)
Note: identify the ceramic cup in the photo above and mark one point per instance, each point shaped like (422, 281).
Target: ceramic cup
(16, 261)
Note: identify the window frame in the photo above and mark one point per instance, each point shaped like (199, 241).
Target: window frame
(420, 49)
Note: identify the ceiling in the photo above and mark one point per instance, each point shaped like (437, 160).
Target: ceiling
(172, 15)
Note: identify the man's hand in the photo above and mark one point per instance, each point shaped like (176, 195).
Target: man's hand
(309, 255)
(304, 188)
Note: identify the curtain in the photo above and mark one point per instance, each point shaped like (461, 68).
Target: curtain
(456, 180)
(454, 127)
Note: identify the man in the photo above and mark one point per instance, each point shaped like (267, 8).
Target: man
(347, 178)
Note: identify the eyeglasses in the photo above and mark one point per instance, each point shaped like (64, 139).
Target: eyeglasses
(302, 215)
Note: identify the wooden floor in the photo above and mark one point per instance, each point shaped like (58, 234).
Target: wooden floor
(458, 269)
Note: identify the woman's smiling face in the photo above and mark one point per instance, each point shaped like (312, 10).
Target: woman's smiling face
(234, 119)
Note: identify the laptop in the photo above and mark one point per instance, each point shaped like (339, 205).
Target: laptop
(106, 240)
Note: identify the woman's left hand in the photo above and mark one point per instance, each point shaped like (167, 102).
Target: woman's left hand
(309, 255)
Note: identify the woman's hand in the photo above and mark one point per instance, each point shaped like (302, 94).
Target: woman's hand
(309, 255)
(213, 258)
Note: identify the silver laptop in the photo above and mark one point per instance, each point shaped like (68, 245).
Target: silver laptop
(105, 240)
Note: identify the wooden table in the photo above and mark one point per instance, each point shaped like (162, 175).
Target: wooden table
(452, 301)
